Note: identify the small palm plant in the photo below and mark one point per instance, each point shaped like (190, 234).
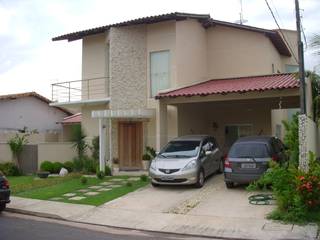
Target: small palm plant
(78, 139)
(16, 145)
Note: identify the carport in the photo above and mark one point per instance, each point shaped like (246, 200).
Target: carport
(228, 108)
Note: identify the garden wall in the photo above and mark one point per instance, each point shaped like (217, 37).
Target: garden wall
(53, 152)
(56, 152)
(5, 153)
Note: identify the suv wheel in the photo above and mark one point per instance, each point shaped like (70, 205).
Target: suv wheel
(229, 184)
(2, 206)
(200, 180)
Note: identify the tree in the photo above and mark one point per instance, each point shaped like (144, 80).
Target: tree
(315, 43)
(78, 139)
(16, 145)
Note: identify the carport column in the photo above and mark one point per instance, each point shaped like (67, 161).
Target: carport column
(161, 125)
(102, 144)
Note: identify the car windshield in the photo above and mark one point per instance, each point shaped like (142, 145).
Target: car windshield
(248, 150)
(181, 149)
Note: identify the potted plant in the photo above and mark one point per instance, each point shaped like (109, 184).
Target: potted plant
(149, 154)
(146, 159)
(43, 174)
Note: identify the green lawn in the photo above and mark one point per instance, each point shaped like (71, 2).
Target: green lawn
(53, 187)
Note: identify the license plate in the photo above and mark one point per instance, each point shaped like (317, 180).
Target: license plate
(248, 165)
(167, 178)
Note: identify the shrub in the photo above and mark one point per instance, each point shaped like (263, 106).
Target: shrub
(83, 180)
(89, 164)
(129, 184)
(95, 148)
(77, 164)
(10, 169)
(100, 175)
(107, 170)
(297, 193)
(47, 166)
(57, 167)
(144, 178)
(69, 166)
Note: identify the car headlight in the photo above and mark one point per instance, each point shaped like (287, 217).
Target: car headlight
(153, 165)
(191, 165)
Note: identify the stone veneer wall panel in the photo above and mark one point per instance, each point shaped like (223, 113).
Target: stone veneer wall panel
(128, 67)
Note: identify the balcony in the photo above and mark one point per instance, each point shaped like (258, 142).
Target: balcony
(86, 90)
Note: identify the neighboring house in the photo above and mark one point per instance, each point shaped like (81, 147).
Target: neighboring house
(30, 112)
(151, 79)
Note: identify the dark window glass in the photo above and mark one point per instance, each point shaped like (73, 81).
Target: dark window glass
(181, 149)
(243, 150)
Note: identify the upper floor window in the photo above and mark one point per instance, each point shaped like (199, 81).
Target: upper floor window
(159, 71)
(292, 68)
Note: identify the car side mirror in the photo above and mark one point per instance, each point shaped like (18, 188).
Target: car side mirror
(208, 153)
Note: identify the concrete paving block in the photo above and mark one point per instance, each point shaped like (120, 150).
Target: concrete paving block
(83, 190)
(91, 193)
(106, 183)
(95, 187)
(69, 194)
(104, 189)
(133, 179)
(77, 198)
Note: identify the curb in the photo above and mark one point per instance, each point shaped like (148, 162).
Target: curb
(36, 214)
(57, 217)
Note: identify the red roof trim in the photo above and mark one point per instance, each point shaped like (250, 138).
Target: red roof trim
(235, 85)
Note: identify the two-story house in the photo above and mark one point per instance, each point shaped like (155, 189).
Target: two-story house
(148, 80)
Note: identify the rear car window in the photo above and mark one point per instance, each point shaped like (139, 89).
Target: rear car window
(243, 150)
(181, 149)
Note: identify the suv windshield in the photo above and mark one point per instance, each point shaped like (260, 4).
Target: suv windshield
(181, 149)
(247, 150)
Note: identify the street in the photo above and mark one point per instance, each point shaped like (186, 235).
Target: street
(18, 227)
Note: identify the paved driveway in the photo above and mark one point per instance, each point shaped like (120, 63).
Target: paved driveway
(214, 199)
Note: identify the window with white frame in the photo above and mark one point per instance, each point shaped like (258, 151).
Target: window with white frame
(159, 71)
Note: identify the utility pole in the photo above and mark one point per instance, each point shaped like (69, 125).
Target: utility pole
(301, 61)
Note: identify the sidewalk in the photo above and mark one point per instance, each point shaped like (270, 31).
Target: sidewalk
(200, 225)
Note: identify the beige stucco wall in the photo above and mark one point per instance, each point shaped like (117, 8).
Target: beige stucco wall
(191, 52)
(5, 153)
(91, 125)
(55, 152)
(95, 65)
(291, 37)
(233, 53)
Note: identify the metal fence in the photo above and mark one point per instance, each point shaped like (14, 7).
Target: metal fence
(86, 89)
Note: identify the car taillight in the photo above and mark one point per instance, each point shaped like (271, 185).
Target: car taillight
(5, 184)
(275, 158)
(227, 164)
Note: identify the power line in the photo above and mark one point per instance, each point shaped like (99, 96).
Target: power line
(284, 38)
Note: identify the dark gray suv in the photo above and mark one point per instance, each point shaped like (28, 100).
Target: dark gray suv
(248, 158)
(4, 192)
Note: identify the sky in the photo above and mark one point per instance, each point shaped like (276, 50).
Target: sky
(31, 61)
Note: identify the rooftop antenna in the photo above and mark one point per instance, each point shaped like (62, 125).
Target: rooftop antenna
(241, 20)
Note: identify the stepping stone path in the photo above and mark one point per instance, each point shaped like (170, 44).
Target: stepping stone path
(95, 187)
(56, 199)
(133, 179)
(106, 183)
(69, 194)
(115, 185)
(104, 189)
(91, 193)
(83, 190)
(116, 180)
(77, 198)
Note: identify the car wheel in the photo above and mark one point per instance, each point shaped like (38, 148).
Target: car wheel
(154, 184)
(229, 184)
(221, 166)
(200, 180)
(2, 206)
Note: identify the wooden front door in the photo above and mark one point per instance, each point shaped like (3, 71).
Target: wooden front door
(130, 145)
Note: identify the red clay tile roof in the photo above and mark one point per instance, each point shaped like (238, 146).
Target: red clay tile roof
(205, 19)
(30, 94)
(235, 85)
(76, 118)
